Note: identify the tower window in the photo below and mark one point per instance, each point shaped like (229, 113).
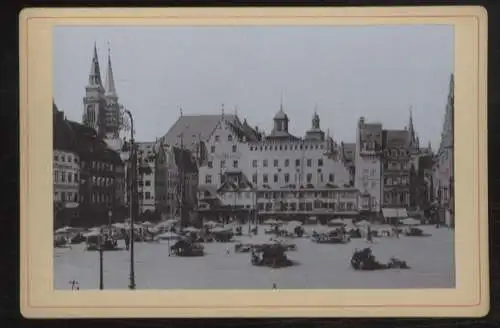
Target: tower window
(229, 138)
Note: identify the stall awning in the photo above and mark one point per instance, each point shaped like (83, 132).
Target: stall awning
(390, 213)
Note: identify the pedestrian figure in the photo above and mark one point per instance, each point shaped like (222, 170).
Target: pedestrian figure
(227, 251)
(127, 241)
(369, 235)
(74, 285)
(275, 286)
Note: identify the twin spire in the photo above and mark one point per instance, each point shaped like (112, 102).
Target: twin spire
(95, 75)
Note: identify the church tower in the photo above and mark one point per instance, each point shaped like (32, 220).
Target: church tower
(112, 105)
(94, 112)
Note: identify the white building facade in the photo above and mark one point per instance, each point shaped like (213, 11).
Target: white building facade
(66, 169)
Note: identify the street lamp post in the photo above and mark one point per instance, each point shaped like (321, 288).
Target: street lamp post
(131, 198)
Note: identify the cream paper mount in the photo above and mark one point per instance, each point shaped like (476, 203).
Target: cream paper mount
(469, 298)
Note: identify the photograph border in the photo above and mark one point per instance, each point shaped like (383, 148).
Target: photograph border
(470, 297)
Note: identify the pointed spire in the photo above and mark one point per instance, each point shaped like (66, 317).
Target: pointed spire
(180, 110)
(110, 80)
(95, 71)
(452, 83)
(429, 147)
(281, 100)
(222, 110)
(411, 130)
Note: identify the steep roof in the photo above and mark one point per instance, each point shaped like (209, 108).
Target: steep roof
(192, 127)
(396, 138)
(80, 139)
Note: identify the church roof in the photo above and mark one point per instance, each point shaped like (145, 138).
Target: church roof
(95, 71)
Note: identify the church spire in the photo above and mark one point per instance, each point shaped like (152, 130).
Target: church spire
(95, 71)
(110, 80)
(411, 130)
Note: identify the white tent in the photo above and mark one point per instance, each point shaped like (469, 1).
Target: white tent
(410, 221)
(147, 224)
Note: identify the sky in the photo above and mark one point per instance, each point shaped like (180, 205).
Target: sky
(345, 72)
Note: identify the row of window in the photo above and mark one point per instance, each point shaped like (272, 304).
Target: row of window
(309, 206)
(304, 194)
(65, 177)
(222, 164)
(229, 138)
(397, 165)
(394, 197)
(397, 181)
(234, 149)
(66, 158)
(286, 147)
(286, 178)
(102, 181)
(396, 152)
(146, 183)
(145, 195)
(66, 196)
(265, 163)
(286, 162)
(98, 165)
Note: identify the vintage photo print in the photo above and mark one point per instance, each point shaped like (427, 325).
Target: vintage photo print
(249, 163)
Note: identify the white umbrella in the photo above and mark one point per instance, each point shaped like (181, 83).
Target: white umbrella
(66, 229)
(167, 223)
(294, 223)
(191, 229)
(336, 222)
(92, 233)
(221, 229)
(168, 236)
(119, 225)
(410, 221)
(363, 223)
(211, 224)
